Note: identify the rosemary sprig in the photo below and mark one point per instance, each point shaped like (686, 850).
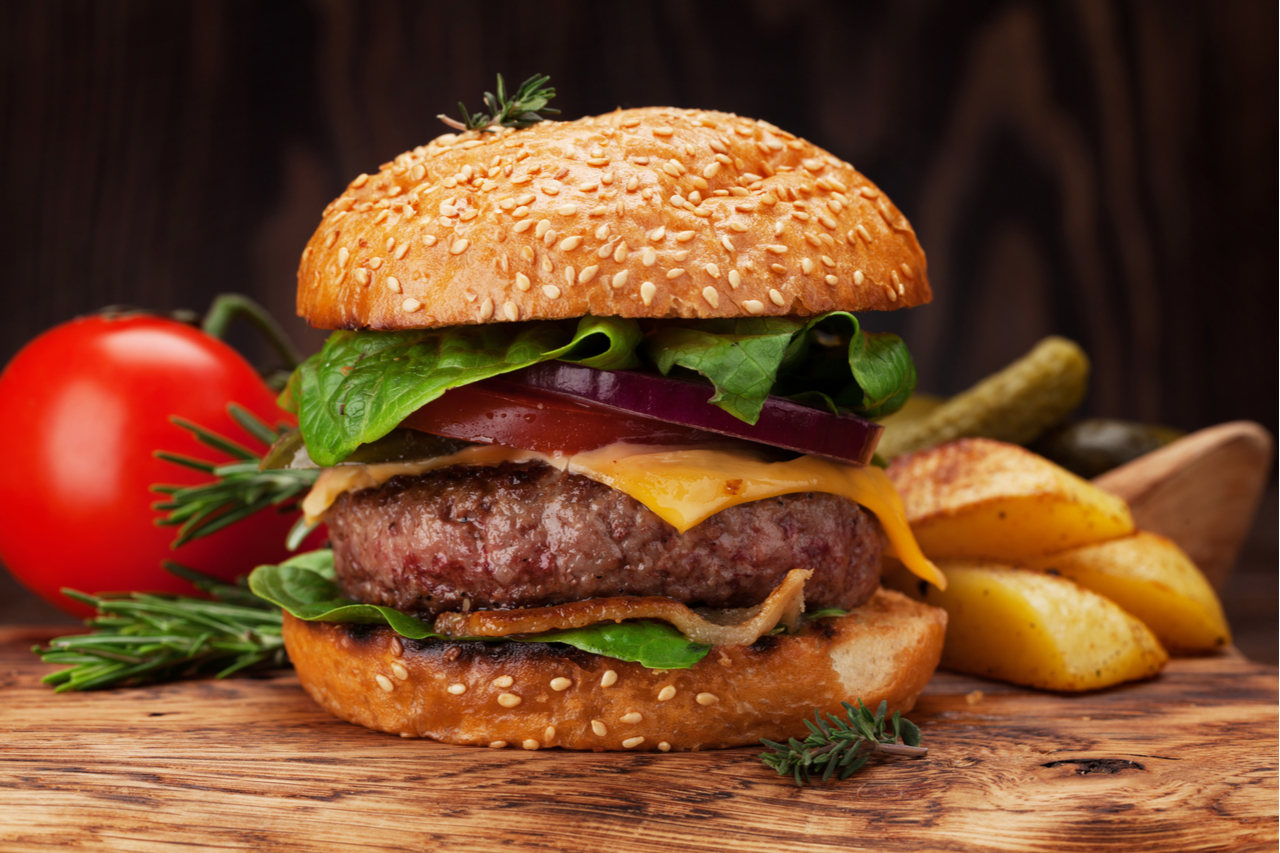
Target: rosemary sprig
(238, 489)
(520, 110)
(140, 638)
(843, 744)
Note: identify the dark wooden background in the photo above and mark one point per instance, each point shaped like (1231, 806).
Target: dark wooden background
(1106, 171)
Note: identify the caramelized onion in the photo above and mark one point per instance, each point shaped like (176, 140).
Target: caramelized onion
(735, 627)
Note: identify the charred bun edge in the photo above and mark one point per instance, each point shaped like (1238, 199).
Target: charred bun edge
(538, 695)
(647, 213)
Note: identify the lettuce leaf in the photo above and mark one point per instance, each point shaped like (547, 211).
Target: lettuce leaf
(305, 586)
(362, 384)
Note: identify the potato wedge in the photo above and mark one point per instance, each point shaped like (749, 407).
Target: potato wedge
(1034, 629)
(1150, 577)
(981, 498)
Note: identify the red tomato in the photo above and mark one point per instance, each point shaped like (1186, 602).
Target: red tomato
(496, 411)
(85, 406)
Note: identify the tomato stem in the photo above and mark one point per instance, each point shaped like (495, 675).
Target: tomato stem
(228, 306)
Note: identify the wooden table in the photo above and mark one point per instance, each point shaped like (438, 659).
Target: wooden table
(1185, 762)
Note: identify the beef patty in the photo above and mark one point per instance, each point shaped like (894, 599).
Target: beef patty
(529, 535)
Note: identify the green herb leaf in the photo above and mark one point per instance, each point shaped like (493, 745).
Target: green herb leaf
(845, 743)
(141, 639)
(520, 110)
(305, 586)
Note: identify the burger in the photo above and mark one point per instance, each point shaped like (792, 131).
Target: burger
(594, 427)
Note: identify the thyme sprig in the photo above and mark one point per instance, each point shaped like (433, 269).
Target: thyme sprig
(141, 638)
(524, 108)
(843, 744)
(238, 489)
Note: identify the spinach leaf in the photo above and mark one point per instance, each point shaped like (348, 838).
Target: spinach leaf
(304, 585)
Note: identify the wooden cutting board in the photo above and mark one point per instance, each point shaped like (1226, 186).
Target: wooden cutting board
(1185, 762)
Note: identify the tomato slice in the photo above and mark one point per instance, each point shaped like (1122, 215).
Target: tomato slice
(495, 411)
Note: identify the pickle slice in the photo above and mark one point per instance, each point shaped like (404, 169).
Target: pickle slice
(399, 445)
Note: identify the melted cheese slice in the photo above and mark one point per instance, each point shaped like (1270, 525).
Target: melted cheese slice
(683, 487)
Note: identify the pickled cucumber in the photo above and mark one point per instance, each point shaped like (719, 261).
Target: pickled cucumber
(1015, 405)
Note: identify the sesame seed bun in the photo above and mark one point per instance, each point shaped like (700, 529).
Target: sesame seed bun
(648, 213)
(536, 695)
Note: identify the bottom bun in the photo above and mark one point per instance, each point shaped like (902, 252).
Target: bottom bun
(536, 695)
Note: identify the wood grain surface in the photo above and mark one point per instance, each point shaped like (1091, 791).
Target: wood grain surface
(1185, 762)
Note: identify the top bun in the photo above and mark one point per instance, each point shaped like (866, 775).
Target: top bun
(654, 213)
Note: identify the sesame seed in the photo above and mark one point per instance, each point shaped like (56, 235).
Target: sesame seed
(648, 257)
(632, 742)
(664, 746)
(712, 270)
(858, 277)
(641, 161)
(712, 169)
(663, 131)
(800, 214)
(776, 298)
(647, 291)
(738, 226)
(827, 262)
(361, 180)
(550, 734)
(343, 255)
(718, 147)
(620, 253)
(362, 275)
(602, 232)
(589, 187)
(523, 226)
(864, 233)
(707, 698)
(508, 700)
(587, 274)
(832, 280)
(568, 244)
(632, 717)
(561, 684)
(768, 200)
(632, 184)
(402, 251)
(486, 309)
(428, 240)
(776, 248)
(503, 263)
(685, 236)
(520, 212)
(522, 281)
(827, 221)
(712, 296)
(735, 279)
(658, 233)
(671, 168)
(906, 270)
(812, 240)
(867, 192)
(754, 306)
(674, 274)
(567, 209)
(547, 266)
(681, 255)
(398, 670)
(330, 239)
(598, 161)
(599, 728)
(544, 225)
(893, 294)
(606, 178)
(530, 744)
(550, 237)
(397, 647)
(459, 246)
(497, 744)
(620, 278)
(511, 311)
(569, 274)
(631, 122)
(375, 263)
(393, 284)
(806, 266)
(551, 291)
(897, 282)
(457, 689)
(666, 693)
(384, 682)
